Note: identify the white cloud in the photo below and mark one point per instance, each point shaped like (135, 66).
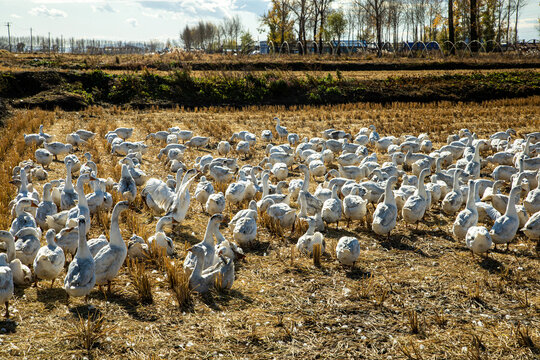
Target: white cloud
(44, 11)
(133, 22)
(527, 23)
(104, 8)
(15, 16)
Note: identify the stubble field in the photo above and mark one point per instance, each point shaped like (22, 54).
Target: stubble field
(416, 295)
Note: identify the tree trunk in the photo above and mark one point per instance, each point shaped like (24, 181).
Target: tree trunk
(508, 22)
(516, 23)
(451, 35)
(499, 9)
(474, 26)
(320, 34)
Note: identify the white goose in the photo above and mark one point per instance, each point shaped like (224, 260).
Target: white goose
(127, 187)
(415, 207)
(199, 280)
(348, 250)
(281, 213)
(453, 200)
(182, 199)
(532, 227)
(207, 245)
(44, 157)
(157, 195)
(161, 240)
(137, 248)
(50, 259)
(22, 275)
(505, 227)
(96, 244)
(532, 201)
(306, 242)
(215, 203)
(478, 239)
(385, 215)
(81, 274)
(68, 240)
(281, 130)
(44, 135)
(245, 225)
(82, 206)
(354, 206)
(111, 257)
(24, 218)
(332, 208)
(57, 148)
(467, 217)
(27, 244)
(68, 196)
(6, 283)
(46, 207)
(223, 148)
(203, 190)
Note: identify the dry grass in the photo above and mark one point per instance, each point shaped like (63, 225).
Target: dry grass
(281, 305)
(140, 281)
(88, 332)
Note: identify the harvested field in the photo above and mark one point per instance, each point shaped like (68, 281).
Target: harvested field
(415, 295)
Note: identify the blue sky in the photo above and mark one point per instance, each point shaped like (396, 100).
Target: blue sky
(151, 19)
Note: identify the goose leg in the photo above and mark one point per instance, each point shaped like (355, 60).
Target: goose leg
(52, 282)
(109, 287)
(7, 310)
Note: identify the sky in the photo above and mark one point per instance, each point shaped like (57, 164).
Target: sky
(132, 20)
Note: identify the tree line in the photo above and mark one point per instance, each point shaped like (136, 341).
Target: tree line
(38, 43)
(392, 21)
(216, 37)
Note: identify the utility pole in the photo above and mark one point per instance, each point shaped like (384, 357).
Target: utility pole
(49, 43)
(61, 43)
(8, 24)
(31, 42)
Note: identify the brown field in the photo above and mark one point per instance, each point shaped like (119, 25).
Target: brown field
(418, 295)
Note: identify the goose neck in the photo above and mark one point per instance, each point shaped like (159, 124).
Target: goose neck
(511, 207)
(83, 251)
(389, 194)
(161, 224)
(10, 249)
(24, 182)
(471, 195)
(208, 235)
(115, 235)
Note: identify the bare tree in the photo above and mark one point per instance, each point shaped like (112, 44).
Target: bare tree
(451, 34)
(186, 37)
(376, 10)
(322, 8)
(236, 29)
(474, 25)
(302, 10)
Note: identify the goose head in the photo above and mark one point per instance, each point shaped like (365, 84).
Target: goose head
(25, 203)
(253, 205)
(3, 259)
(85, 178)
(216, 219)
(165, 224)
(50, 236)
(6, 236)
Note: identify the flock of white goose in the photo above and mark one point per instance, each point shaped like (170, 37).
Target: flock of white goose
(346, 168)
